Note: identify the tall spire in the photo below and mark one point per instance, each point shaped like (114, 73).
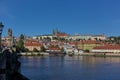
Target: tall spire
(10, 42)
(10, 32)
(55, 31)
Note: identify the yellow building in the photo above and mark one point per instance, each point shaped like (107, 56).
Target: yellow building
(88, 44)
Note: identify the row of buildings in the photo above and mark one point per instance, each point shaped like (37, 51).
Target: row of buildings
(71, 37)
(62, 42)
(73, 46)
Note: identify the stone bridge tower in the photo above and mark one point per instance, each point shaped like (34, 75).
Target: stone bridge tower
(10, 38)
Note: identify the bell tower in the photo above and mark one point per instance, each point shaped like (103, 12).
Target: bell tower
(10, 39)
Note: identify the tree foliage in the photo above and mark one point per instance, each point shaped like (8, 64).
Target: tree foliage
(114, 39)
(55, 38)
(35, 50)
(43, 49)
(87, 50)
(22, 37)
(62, 49)
(20, 45)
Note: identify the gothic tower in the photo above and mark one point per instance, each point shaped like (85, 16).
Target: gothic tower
(55, 32)
(10, 40)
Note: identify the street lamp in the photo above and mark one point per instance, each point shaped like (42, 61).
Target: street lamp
(1, 29)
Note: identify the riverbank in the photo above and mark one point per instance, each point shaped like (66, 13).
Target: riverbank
(82, 54)
(101, 54)
(33, 54)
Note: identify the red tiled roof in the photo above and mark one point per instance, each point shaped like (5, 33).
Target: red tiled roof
(62, 34)
(88, 42)
(73, 43)
(62, 43)
(32, 43)
(115, 47)
(53, 42)
(29, 44)
(52, 47)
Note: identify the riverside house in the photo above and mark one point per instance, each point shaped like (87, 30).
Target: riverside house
(53, 49)
(31, 44)
(107, 49)
(88, 44)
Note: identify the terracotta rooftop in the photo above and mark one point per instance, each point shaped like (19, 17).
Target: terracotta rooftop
(32, 43)
(89, 42)
(73, 43)
(108, 47)
(62, 34)
(52, 47)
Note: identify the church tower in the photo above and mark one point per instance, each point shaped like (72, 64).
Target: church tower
(10, 39)
(55, 32)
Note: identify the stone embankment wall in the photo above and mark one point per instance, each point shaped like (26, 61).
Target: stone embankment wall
(33, 53)
(101, 54)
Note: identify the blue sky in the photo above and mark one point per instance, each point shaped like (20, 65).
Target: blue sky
(36, 17)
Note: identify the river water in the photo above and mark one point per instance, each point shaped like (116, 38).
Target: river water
(70, 68)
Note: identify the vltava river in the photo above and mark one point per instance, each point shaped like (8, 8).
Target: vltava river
(70, 68)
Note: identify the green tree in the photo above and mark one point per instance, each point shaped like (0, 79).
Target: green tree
(26, 50)
(87, 50)
(118, 39)
(89, 39)
(62, 39)
(20, 45)
(78, 39)
(43, 49)
(22, 37)
(40, 38)
(62, 49)
(114, 39)
(70, 39)
(55, 38)
(96, 39)
(48, 39)
(35, 50)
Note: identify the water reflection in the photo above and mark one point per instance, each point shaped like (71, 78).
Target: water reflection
(72, 68)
